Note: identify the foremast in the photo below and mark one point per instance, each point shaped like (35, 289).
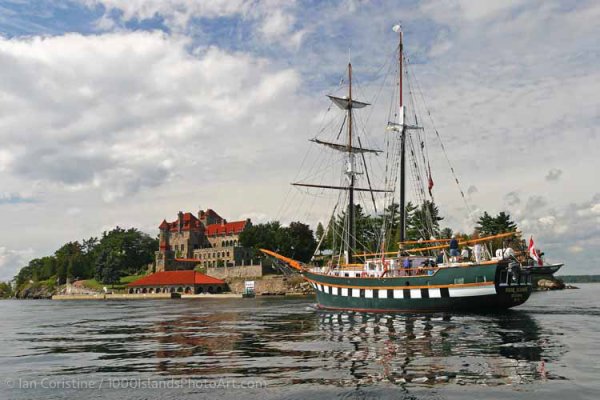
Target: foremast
(348, 104)
(350, 172)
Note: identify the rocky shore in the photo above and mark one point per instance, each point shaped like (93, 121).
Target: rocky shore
(274, 285)
(36, 290)
(551, 283)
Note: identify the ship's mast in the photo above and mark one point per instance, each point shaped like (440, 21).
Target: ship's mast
(402, 145)
(347, 103)
(350, 171)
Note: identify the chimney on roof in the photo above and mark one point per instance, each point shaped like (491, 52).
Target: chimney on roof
(179, 221)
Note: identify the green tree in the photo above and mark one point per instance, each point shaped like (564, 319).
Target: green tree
(320, 231)
(422, 221)
(135, 248)
(302, 241)
(71, 262)
(108, 267)
(296, 241)
(260, 236)
(501, 223)
(446, 233)
(6, 290)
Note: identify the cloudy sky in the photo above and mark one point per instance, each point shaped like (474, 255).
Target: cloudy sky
(126, 111)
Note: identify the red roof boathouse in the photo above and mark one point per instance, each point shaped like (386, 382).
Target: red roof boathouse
(185, 282)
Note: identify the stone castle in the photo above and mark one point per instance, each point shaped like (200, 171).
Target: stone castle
(206, 239)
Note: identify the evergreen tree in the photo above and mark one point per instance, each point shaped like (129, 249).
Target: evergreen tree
(423, 221)
(320, 231)
(446, 233)
(392, 219)
(501, 223)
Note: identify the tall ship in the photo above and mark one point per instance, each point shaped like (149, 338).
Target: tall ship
(392, 273)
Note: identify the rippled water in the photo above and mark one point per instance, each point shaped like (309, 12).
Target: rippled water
(284, 348)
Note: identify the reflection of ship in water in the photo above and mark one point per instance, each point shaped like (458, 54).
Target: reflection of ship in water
(497, 349)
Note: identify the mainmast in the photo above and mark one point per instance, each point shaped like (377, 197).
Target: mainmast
(350, 171)
(398, 29)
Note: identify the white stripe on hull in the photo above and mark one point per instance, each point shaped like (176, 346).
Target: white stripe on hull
(472, 291)
(433, 293)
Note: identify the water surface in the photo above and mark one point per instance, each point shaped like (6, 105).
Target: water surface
(284, 348)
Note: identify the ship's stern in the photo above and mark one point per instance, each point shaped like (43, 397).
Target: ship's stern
(513, 283)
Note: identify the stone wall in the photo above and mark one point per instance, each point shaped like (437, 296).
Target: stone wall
(246, 271)
(275, 285)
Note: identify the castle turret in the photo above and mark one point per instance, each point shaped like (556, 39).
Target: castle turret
(164, 254)
(164, 236)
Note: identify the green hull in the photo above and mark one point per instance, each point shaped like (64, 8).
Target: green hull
(471, 288)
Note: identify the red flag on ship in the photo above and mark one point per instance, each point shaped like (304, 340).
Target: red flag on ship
(533, 252)
(430, 181)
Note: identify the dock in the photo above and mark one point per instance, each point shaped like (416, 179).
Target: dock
(144, 296)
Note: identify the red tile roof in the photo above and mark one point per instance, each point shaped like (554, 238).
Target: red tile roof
(189, 222)
(228, 228)
(211, 212)
(176, 278)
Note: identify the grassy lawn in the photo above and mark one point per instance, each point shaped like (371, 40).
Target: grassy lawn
(95, 285)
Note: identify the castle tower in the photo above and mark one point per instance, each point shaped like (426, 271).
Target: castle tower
(164, 253)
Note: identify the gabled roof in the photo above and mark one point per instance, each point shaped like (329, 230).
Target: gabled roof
(189, 222)
(164, 225)
(227, 228)
(211, 212)
(176, 278)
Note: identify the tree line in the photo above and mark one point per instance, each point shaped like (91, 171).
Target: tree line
(118, 252)
(297, 240)
(422, 222)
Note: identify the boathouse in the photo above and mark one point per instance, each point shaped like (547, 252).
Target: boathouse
(185, 282)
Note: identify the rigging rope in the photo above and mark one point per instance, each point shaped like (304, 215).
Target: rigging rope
(418, 86)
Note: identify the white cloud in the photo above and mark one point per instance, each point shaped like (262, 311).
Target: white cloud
(114, 111)
(274, 19)
(11, 261)
(176, 12)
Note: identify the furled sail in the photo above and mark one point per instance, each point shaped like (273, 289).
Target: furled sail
(344, 103)
(342, 188)
(344, 148)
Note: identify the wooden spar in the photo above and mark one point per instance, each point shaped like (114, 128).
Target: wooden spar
(424, 241)
(291, 262)
(376, 254)
(466, 242)
(444, 246)
(341, 188)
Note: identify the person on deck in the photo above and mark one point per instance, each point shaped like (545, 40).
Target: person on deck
(407, 264)
(454, 247)
(478, 252)
(464, 254)
(440, 257)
